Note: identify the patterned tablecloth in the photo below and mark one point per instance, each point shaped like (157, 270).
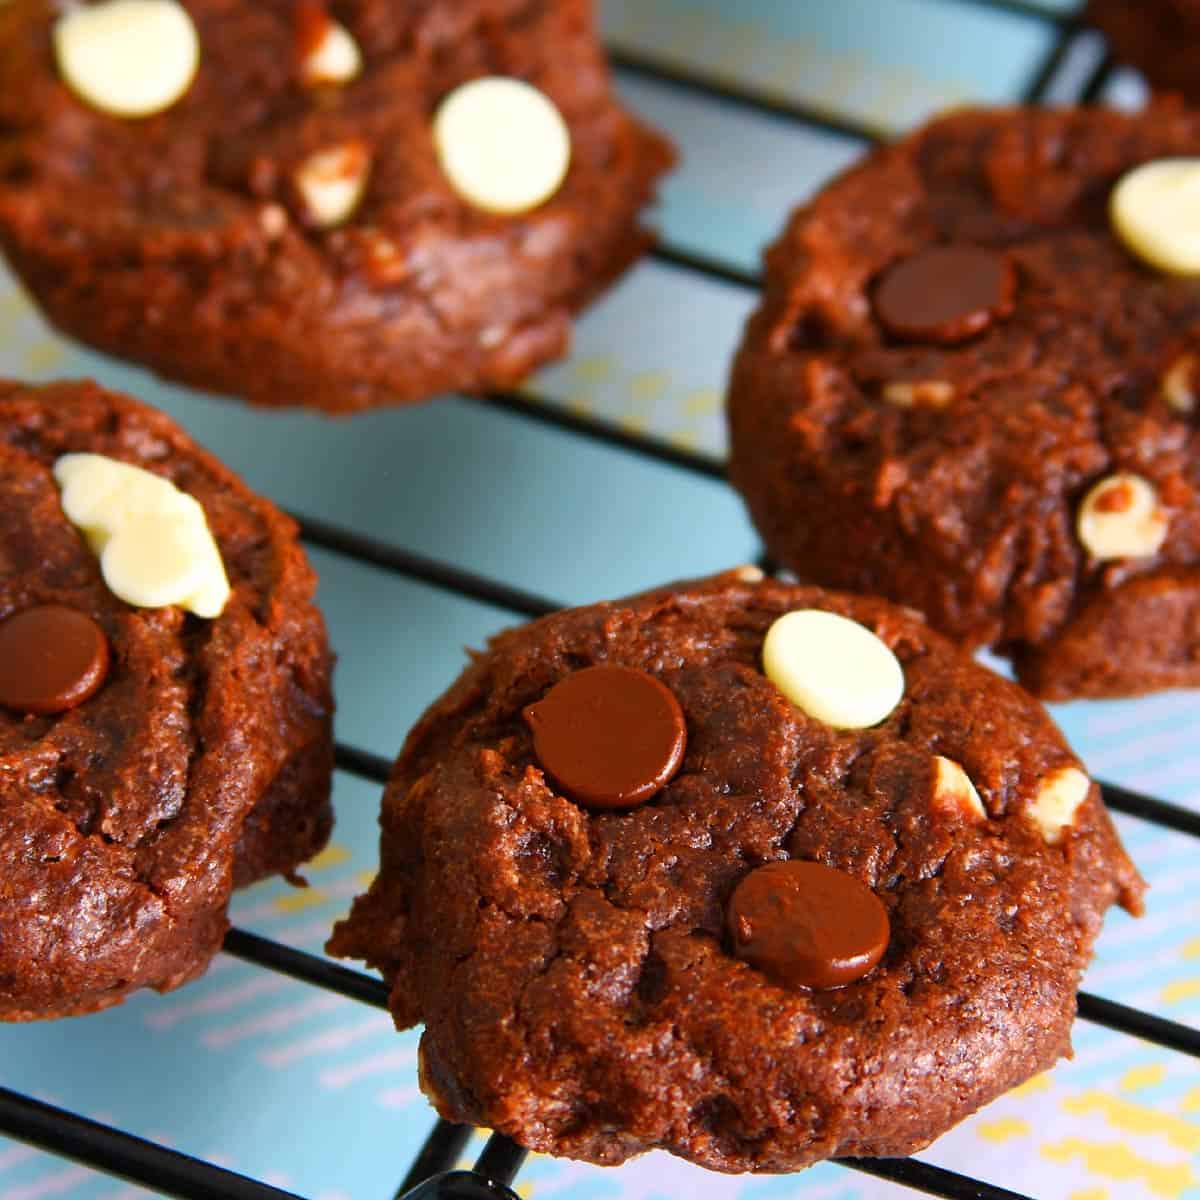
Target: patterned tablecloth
(316, 1093)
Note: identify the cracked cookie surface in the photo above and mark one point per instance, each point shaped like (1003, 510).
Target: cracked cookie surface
(573, 969)
(946, 468)
(193, 240)
(200, 763)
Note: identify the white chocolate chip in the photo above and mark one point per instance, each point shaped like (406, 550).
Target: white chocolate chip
(131, 58)
(953, 791)
(924, 393)
(273, 220)
(750, 574)
(1177, 384)
(503, 144)
(1122, 518)
(1155, 210)
(1057, 800)
(331, 183)
(336, 58)
(153, 540)
(833, 668)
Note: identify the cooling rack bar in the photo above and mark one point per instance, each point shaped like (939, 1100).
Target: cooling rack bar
(307, 968)
(440, 1151)
(1020, 8)
(117, 1153)
(1093, 89)
(649, 66)
(1144, 1025)
(417, 566)
(1149, 808)
(501, 1159)
(602, 431)
(703, 264)
(924, 1177)
(362, 763)
(459, 1185)
(1043, 76)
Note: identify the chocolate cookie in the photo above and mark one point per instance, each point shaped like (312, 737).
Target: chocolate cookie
(971, 387)
(153, 759)
(304, 218)
(1159, 37)
(809, 935)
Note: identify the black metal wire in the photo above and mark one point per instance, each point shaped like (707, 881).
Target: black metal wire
(1150, 808)
(935, 1181)
(1098, 80)
(546, 413)
(118, 1153)
(1139, 1024)
(307, 968)
(1018, 8)
(1044, 75)
(501, 1159)
(726, 91)
(352, 544)
(441, 1150)
(703, 264)
(362, 762)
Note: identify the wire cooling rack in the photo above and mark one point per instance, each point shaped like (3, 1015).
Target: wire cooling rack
(1072, 70)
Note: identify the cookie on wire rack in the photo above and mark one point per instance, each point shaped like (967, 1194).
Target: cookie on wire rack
(334, 205)
(755, 873)
(971, 387)
(165, 703)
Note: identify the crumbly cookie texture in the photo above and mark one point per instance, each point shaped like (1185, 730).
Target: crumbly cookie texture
(154, 759)
(968, 388)
(317, 211)
(597, 982)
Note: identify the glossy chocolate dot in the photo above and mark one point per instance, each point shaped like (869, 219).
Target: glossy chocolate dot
(944, 293)
(609, 737)
(51, 659)
(806, 925)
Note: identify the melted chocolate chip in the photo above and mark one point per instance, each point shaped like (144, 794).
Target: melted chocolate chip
(944, 293)
(51, 659)
(807, 925)
(609, 737)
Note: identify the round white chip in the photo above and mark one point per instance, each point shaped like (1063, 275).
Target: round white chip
(502, 144)
(1155, 210)
(1121, 517)
(131, 58)
(833, 668)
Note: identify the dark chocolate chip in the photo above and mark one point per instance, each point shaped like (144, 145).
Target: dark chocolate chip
(609, 737)
(51, 659)
(807, 925)
(944, 293)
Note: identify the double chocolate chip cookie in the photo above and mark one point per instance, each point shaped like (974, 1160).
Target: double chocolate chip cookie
(335, 205)
(971, 387)
(755, 873)
(165, 701)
